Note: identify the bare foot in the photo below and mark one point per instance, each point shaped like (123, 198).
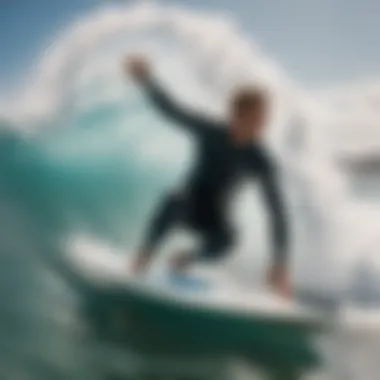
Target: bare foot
(278, 280)
(180, 262)
(141, 262)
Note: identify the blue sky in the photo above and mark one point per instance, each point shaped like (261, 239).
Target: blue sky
(318, 42)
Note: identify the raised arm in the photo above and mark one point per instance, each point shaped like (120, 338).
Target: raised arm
(191, 121)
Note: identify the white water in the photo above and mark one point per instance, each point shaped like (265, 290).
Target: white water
(192, 46)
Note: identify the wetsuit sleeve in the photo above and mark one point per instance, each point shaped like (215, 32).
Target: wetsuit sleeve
(277, 212)
(185, 118)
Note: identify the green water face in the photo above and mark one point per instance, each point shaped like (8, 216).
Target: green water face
(90, 179)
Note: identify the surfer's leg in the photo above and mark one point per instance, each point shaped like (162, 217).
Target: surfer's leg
(215, 246)
(167, 215)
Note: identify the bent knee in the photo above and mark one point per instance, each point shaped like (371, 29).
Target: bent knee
(219, 246)
(226, 241)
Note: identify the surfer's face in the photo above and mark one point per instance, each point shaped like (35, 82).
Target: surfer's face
(249, 114)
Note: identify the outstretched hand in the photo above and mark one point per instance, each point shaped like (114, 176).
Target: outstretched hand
(278, 280)
(137, 67)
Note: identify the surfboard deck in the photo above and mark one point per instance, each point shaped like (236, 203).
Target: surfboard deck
(200, 312)
(199, 288)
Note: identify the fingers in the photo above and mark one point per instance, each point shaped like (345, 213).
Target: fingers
(137, 66)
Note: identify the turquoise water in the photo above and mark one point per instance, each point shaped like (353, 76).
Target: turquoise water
(45, 195)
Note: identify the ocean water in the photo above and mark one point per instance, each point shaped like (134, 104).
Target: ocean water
(82, 153)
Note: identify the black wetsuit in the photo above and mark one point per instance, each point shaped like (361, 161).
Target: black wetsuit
(202, 205)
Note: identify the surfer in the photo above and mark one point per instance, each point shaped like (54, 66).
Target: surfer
(226, 151)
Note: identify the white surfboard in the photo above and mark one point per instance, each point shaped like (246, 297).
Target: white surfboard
(202, 287)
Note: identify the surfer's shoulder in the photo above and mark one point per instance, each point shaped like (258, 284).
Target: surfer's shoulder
(216, 129)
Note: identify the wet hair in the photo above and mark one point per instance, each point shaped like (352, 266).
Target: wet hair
(247, 98)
